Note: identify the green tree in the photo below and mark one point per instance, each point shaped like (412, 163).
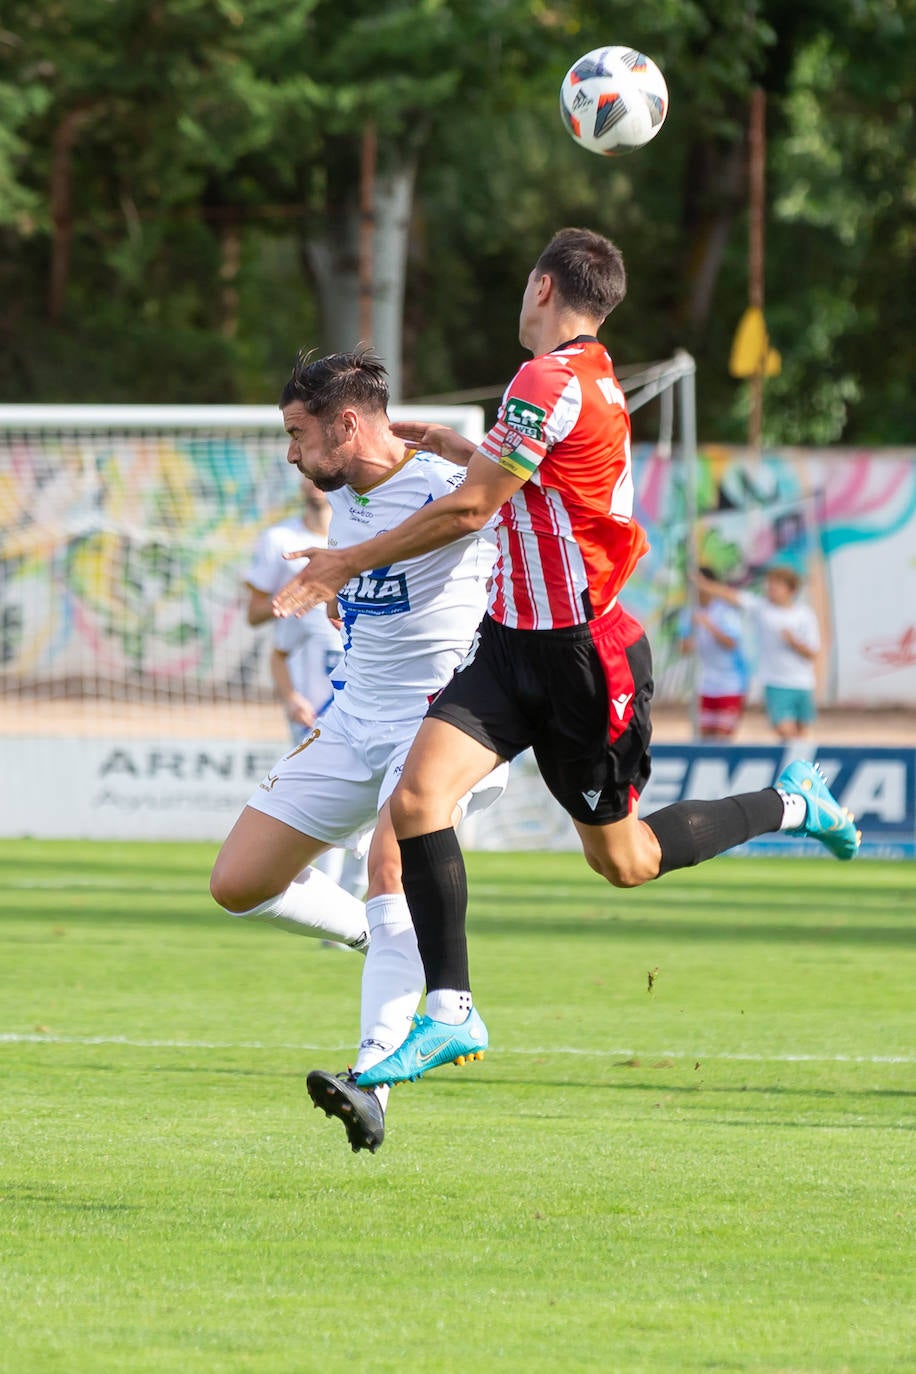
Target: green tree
(180, 198)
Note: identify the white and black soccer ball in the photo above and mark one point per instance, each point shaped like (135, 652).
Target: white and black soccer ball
(613, 100)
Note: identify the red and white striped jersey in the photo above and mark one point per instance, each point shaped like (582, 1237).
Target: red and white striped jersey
(567, 538)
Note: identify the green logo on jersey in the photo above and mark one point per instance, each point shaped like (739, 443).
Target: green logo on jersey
(525, 418)
(360, 500)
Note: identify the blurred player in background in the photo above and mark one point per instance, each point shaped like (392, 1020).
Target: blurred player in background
(557, 664)
(788, 643)
(406, 626)
(714, 632)
(305, 652)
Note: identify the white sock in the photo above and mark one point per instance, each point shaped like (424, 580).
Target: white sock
(392, 982)
(313, 905)
(794, 810)
(448, 1005)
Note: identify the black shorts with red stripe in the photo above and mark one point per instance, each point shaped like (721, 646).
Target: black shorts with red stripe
(579, 697)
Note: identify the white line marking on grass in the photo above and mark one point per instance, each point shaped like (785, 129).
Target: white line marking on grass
(36, 1038)
(127, 883)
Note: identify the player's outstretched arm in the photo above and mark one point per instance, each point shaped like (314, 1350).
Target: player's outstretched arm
(720, 590)
(463, 511)
(448, 443)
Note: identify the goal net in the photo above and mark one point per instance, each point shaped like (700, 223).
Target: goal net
(125, 535)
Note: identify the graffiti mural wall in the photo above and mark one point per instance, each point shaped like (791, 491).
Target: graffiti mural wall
(121, 559)
(846, 521)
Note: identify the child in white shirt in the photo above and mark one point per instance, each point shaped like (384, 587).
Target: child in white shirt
(788, 641)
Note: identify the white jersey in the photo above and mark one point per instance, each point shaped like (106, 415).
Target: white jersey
(312, 644)
(780, 666)
(408, 626)
(268, 570)
(313, 654)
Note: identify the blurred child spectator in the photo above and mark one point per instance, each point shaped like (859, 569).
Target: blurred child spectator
(788, 642)
(714, 633)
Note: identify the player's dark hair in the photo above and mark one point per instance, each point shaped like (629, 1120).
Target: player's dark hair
(326, 385)
(587, 269)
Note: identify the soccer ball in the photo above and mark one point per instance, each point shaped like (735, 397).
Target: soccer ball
(613, 100)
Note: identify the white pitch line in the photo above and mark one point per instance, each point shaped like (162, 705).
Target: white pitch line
(36, 1038)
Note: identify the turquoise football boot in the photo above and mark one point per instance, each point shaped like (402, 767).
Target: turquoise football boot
(825, 820)
(428, 1044)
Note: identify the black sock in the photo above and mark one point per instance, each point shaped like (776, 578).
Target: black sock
(436, 888)
(691, 831)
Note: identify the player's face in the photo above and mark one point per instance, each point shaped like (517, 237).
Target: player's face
(320, 450)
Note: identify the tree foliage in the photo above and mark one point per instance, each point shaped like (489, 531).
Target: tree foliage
(166, 165)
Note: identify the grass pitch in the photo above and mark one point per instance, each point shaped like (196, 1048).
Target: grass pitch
(690, 1147)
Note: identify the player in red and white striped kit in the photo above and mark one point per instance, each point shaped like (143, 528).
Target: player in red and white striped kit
(556, 665)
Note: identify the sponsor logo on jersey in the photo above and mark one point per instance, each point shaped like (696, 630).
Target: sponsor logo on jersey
(525, 418)
(381, 592)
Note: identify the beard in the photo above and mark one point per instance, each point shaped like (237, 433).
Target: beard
(325, 481)
(330, 482)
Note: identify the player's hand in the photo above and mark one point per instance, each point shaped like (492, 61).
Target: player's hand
(319, 581)
(420, 434)
(300, 710)
(448, 443)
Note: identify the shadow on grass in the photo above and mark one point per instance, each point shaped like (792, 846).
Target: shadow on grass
(649, 927)
(514, 924)
(14, 1192)
(699, 1089)
(196, 1070)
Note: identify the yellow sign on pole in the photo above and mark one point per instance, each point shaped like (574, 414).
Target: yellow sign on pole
(751, 354)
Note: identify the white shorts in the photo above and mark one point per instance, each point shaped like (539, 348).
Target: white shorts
(333, 785)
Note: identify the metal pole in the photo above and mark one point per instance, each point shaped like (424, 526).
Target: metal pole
(367, 166)
(757, 179)
(687, 409)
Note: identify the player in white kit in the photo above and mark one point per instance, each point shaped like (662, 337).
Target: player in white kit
(305, 650)
(406, 628)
